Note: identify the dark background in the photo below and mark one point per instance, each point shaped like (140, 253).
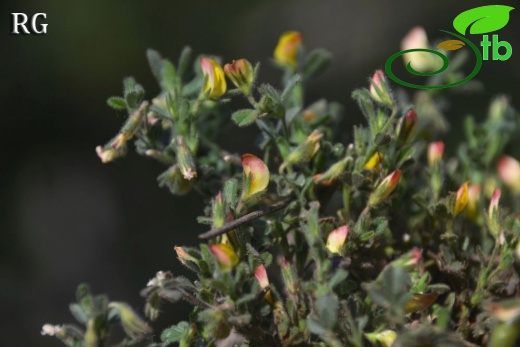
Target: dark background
(65, 218)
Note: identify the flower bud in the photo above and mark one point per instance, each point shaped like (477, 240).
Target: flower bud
(132, 324)
(91, 335)
(493, 216)
(109, 154)
(498, 107)
(384, 338)
(174, 180)
(218, 211)
(384, 189)
(473, 199)
(256, 176)
(334, 172)
(379, 89)
(263, 280)
(509, 171)
(214, 79)
(461, 200)
(337, 238)
(241, 74)
(289, 277)
(305, 151)
(409, 260)
(408, 125)
(420, 61)
(435, 152)
(286, 50)
(184, 257)
(373, 162)
(226, 257)
(185, 160)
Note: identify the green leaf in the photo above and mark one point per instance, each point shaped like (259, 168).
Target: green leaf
(244, 117)
(78, 313)
(174, 333)
(339, 276)
(327, 310)
(184, 61)
(362, 96)
(316, 62)
(116, 102)
(156, 63)
(168, 76)
(482, 20)
(231, 191)
(128, 85)
(293, 82)
(134, 94)
(315, 327)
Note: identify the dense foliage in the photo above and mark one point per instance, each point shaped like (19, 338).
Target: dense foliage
(327, 236)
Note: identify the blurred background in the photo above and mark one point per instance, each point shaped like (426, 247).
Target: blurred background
(65, 218)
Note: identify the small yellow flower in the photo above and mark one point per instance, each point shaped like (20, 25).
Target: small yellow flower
(214, 79)
(286, 50)
(226, 257)
(461, 200)
(256, 173)
(337, 238)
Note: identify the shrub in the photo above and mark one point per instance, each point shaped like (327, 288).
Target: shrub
(324, 237)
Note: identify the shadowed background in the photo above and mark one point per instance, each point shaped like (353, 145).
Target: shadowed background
(65, 218)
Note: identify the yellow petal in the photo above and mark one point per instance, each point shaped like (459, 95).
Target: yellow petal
(225, 254)
(215, 81)
(462, 199)
(374, 161)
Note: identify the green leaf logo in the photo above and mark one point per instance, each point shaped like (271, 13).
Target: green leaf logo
(482, 20)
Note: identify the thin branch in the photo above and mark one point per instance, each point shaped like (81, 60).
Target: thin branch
(246, 219)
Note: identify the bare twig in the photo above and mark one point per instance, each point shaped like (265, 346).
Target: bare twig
(246, 219)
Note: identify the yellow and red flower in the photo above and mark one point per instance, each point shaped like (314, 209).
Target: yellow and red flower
(286, 51)
(337, 238)
(256, 176)
(461, 200)
(214, 80)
